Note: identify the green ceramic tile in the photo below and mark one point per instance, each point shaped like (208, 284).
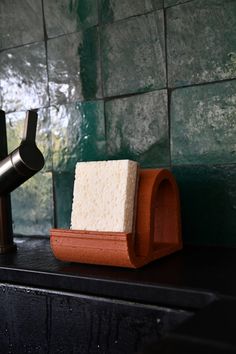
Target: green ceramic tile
(21, 22)
(113, 10)
(208, 202)
(64, 68)
(66, 135)
(92, 145)
(203, 124)
(32, 209)
(63, 17)
(23, 78)
(74, 68)
(137, 129)
(78, 134)
(133, 55)
(15, 128)
(90, 67)
(63, 185)
(201, 42)
(157, 4)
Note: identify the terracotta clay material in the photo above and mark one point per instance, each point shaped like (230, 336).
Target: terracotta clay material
(158, 229)
(158, 212)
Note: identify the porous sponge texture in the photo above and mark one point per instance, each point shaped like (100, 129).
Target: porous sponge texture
(104, 196)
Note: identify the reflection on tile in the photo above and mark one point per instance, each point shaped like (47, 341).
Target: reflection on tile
(113, 10)
(201, 42)
(64, 68)
(208, 202)
(66, 134)
(63, 185)
(203, 124)
(32, 209)
(78, 134)
(90, 65)
(21, 22)
(15, 126)
(133, 55)
(63, 17)
(23, 78)
(73, 67)
(93, 142)
(137, 129)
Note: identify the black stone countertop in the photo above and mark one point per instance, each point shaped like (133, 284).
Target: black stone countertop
(174, 280)
(197, 278)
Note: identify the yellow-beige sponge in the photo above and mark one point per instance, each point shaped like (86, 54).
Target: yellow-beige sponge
(104, 196)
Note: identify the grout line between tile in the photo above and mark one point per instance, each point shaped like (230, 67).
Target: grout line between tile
(167, 84)
(54, 214)
(131, 17)
(170, 89)
(20, 45)
(109, 98)
(101, 71)
(46, 50)
(178, 4)
(100, 59)
(203, 83)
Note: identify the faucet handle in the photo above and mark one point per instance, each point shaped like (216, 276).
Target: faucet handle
(30, 127)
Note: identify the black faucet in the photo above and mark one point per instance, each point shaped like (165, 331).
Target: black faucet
(15, 169)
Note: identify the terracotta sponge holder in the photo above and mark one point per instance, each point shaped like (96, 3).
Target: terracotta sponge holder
(157, 230)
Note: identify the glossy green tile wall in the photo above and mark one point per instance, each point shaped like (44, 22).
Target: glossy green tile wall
(137, 128)
(133, 55)
(201, 40)
(151, 80)
(203, 124)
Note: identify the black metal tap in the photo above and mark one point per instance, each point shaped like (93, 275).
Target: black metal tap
(15, 169)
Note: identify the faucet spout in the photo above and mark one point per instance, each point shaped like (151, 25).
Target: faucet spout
(6, 233)
(23, 162)
(15, 169)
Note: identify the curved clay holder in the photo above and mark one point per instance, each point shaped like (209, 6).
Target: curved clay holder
(158, 229)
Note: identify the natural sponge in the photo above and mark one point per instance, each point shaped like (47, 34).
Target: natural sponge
(104, 196)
